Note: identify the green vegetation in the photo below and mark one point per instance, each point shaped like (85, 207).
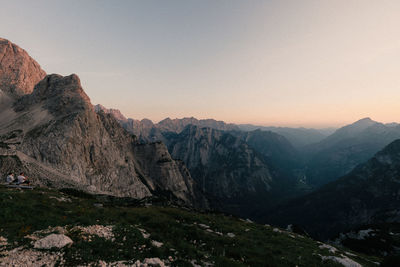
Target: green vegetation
(183, 233)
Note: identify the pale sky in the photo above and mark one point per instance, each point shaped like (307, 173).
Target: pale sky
(289, 63)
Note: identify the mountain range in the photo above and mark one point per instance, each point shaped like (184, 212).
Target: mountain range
(370, 194)
(339, 153)
(326, 183)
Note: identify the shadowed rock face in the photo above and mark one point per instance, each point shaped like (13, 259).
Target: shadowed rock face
(19, 73)
(349, 146)
(56, 137)
(236, 178)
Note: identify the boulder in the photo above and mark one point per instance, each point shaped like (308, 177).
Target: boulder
(53, 241)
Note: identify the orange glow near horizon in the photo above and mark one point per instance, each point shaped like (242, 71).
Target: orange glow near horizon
(284, 63)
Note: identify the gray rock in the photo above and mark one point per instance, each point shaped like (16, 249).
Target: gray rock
(53, 241)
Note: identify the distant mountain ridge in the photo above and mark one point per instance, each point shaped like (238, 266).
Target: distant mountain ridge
(234, 176)
(240, 172)
(147, 131)
(349, 146)
(299, 137)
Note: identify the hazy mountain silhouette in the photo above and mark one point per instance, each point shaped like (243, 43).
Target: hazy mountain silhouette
(367, 195)
(349, 146)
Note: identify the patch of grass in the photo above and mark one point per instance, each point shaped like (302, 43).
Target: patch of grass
(184, 240)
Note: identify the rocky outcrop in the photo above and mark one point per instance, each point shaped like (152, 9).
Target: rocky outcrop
(115, 112)
(53, 241)
(19, 73)
(54, 135)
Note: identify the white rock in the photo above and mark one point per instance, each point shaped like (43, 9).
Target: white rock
(3, 241)
(144, 233)
(204, 226)
(232, 235)
(329, 247)
(156, 244)
(345, 261)
(21, 257)
(154, 262)
(53, 241)
(105, 232)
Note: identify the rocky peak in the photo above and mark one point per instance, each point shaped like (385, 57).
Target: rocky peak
(19, 73)
(58, 94)
(115, 112)
(365, 122)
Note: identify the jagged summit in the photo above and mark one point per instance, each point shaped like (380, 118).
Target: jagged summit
(58, 94)
(177, 125)
(19, 73)
(115, 112)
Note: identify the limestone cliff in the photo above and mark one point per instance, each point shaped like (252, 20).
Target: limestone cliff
(19, 73)
(57, 138)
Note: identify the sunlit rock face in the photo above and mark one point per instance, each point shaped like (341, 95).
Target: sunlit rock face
(19, 73)
(54, 135)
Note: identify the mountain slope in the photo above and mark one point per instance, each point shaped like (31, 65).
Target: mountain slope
(369, 194)
(274, 146)
(349, 146)
(57, 138)
(235, 177)
(120, 232)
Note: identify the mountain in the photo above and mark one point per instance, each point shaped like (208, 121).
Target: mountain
(116, 113)
(370, 194)
(147, 131)
(19, 73)
(177, 125)
(54, 135)
(240, 172)
(349, 146)
(298, 137)
(274, 146)
(235, 177)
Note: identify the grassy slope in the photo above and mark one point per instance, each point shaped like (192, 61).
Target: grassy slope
(23, 212)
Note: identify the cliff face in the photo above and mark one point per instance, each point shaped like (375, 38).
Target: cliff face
(19, 73)
(57, 138)
(235, 178)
